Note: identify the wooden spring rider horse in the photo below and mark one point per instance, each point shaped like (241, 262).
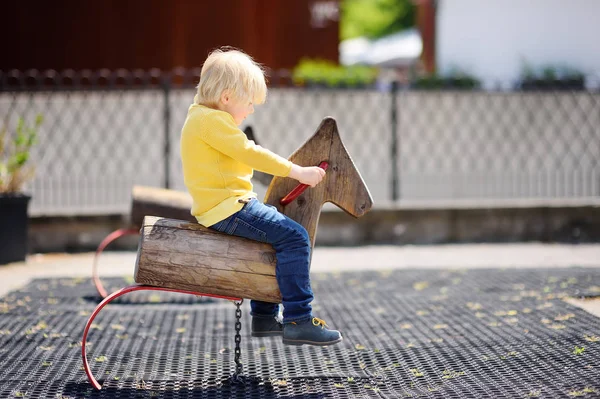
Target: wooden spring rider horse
(185, 257)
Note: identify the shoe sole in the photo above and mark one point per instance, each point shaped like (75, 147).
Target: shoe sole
(267, 334)
(300, 342)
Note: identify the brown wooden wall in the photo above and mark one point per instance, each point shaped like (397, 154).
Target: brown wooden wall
(94, 34)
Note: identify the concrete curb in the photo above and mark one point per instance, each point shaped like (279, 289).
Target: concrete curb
(405, 222)
(481, 221)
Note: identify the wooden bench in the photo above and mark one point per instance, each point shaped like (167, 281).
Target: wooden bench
(183, 256)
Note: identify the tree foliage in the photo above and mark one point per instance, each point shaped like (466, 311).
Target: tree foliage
(375, 18)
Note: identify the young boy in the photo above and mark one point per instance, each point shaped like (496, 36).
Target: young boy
(218, 162)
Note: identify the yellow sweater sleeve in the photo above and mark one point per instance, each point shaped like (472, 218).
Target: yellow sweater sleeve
(220, 132)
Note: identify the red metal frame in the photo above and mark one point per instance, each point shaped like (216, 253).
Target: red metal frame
(117, 294)
(299, 189)
(109, 238)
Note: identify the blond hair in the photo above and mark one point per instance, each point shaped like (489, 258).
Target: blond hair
(233, 70)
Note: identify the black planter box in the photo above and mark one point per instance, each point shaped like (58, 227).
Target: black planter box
(13, 227)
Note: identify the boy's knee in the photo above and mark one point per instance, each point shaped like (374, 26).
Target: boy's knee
(297, 237)
(303, 236)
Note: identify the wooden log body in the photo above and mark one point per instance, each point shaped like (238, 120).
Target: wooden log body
(159, 202)
(187, 256)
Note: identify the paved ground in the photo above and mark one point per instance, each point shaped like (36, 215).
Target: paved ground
(429, 321)
(437, 322)
(461, 256)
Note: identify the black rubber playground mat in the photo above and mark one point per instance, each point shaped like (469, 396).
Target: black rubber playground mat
(407, 333)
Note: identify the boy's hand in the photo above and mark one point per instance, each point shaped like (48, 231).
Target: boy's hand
(309, 175)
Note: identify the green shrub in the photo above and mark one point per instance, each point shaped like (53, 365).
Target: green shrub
(456, 80)
(551, 77)
(316, 72)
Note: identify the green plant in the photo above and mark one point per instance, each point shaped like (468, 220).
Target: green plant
(14, 155)
(327, 73)
(578, 350)
(454, 80)
(551, 77)
(551, 72)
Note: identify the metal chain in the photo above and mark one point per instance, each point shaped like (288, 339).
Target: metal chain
(238, 339)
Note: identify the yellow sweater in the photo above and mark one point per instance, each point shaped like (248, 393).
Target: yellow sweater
(218, 161)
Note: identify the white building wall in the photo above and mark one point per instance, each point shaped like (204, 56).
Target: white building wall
(494, 39)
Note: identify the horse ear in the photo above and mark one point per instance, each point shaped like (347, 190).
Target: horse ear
(317, 148)
(250, 133)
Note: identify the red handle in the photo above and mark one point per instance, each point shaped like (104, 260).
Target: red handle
(299, 189)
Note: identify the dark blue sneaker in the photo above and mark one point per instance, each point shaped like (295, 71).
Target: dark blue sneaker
(310, 332)
(266, 326)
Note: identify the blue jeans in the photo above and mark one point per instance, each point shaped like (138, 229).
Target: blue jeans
(261, 222)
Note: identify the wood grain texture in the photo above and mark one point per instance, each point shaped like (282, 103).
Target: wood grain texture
(185, 255)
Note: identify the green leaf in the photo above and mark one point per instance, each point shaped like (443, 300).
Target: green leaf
(375, 18)
(578, 350)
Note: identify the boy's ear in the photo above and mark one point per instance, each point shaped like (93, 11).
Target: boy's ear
(225, 96)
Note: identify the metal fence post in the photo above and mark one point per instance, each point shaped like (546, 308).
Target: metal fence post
(394, 150)
(166, 86)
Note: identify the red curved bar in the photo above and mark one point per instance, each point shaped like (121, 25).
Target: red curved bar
(299, 189)
(109, 238)
(115, 295)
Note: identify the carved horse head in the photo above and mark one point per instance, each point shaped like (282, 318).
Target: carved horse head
(342, 185)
